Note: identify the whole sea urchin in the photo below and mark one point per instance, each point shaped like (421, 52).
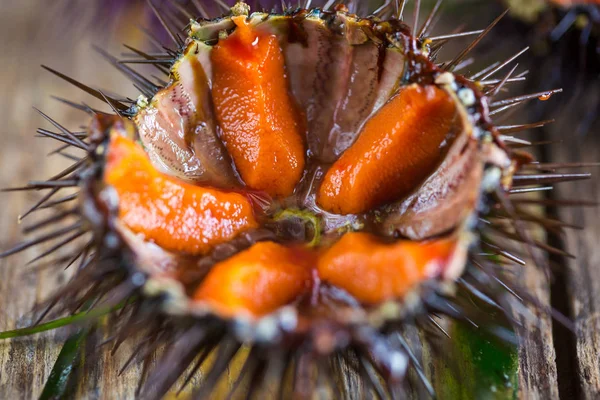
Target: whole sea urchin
(306, 183)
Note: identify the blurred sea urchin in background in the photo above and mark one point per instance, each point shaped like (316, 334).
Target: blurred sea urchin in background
(561, 39)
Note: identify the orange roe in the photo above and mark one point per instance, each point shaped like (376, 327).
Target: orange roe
(398, 148)
(261, 126)
(373, 271)
(257, 281)
(177, 216)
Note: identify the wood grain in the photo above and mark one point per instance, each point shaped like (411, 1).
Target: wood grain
(31, 36)
(582, 275)
(538, 377)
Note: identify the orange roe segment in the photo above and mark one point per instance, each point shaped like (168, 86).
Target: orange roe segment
(261, 126)
(373, 271)
(398, 148)
(175, 215)
(257, 281)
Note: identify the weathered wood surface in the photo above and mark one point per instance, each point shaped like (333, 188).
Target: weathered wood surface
(577, 288)
(537, 367)
(30, 38)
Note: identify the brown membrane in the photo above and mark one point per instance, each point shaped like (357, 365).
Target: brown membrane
(179, 130)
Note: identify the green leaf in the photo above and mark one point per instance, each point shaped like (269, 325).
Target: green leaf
(478, 366)
(57, 383)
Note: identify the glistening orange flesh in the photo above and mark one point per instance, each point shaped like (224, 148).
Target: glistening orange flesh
(261, 126)
(257, 281)
(175, 215)
(397, 149)
(373, 271)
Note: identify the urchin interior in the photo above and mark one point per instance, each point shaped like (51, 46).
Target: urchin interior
(357, 114)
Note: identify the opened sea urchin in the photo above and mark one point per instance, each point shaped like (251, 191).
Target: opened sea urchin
(305, 184)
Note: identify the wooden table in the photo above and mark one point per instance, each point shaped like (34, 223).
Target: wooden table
(553, 361)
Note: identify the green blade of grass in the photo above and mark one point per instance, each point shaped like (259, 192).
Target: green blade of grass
(58, 323)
